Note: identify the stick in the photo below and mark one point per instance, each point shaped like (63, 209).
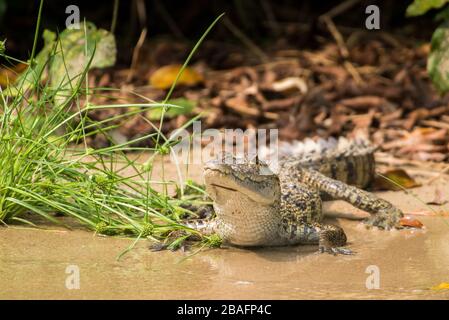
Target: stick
(245, 40)
(326, 18)
(135, 56)
(342, 7)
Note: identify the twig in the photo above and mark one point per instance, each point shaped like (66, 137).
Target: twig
(340, 8)
(135, 56)
(445, 171)
(272, 22)
(326, 18)
(353, 72)
(142, 13)
(245, 40)
(241, 109)
(114, 15)
(436, 124)
(336, 35)
(168, 19)
(344, 52)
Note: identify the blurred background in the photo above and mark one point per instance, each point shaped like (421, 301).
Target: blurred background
(309, 68)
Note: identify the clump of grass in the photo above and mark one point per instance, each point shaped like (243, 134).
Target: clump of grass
(44, 172)
(46, 166)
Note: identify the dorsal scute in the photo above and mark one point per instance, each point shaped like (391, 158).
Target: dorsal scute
(321, 150)
(323, 147)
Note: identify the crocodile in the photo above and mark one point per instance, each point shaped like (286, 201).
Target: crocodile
(259, 205)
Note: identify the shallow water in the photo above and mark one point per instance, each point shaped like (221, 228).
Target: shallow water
(33, 264)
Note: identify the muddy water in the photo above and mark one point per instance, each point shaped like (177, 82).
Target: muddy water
(33, 264)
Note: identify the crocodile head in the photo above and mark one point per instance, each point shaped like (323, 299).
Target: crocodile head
(246, 200)
(228, 175)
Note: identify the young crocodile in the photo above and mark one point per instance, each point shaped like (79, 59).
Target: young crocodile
(256, 207)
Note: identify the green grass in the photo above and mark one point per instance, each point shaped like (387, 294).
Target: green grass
(47, 167)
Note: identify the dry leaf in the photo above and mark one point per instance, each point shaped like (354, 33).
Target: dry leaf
(438, 198)
(417, 136)
(441, 286)
(410, 222)
(422, 143)
(9, 75)
(394, 180)
(287, 84)
(364, 102)
(164, 77)
(6, 77)
(240, 104)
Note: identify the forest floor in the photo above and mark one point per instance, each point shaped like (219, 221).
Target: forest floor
(374, 85)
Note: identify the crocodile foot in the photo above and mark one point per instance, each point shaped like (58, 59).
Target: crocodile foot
(335, 250)
(386, 219)
(332, 240)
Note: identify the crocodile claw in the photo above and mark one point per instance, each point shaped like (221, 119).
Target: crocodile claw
(386, 219)
(335, 250)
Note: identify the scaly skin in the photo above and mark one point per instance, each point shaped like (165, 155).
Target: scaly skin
(256, 207)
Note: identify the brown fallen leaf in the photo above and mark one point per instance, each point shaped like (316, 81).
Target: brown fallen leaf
(289, 84)
(386, 119)
(413, 118)
(9, 75)
(438, 199)
(281, 104)
(240, 104)
(394, 180)
(441, 286)
(164, 77)
(435, 124)
(362, 122)
(426, 156)
(364, 102)
(411, 222)
(420, 139)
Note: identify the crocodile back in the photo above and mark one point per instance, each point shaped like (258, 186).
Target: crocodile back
(357, 170)
(348, 160)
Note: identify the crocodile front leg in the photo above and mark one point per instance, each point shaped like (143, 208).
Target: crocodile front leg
(329, 238)
(384, 214)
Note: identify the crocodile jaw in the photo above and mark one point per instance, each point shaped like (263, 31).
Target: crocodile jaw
(261, 189)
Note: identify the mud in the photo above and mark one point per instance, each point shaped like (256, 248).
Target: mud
(33, 263)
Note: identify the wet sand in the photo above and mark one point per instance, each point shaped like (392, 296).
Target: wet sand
(33, 264)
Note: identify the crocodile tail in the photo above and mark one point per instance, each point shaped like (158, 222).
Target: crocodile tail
(347, 160)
